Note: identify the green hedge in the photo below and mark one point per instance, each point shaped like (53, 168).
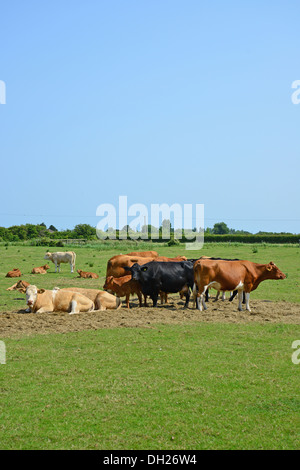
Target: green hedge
(252, 238)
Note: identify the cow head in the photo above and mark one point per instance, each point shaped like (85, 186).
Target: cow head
(48, 255)
(46, 267)
(79, 271)
(137, 271)
(108, 286)
(31, 294)
(274, 272)
(108, 283)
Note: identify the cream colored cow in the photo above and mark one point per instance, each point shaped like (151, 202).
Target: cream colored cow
(59, 257)
(102, 300)
(57, 300)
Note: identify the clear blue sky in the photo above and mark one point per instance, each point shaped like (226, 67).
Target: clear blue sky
(164, 101)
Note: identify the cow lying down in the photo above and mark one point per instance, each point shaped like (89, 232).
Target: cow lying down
(72, 300)
(57, 300)
(102, 300)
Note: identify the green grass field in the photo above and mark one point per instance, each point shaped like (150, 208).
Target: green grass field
(191, 386)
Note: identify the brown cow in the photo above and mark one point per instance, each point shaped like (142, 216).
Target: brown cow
(115, 265)
(124, 287)
(86, 274)
(20, 286)
(241, 275)
(102, 300)
(40, 269)
(144, 254)
(14, 273)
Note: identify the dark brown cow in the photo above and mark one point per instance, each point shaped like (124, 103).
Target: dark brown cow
(21, 286)
(87, 275)
(40, 269)
(124, 287)
(239, 275)
(14, 273)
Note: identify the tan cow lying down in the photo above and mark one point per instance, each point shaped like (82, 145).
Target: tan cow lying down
(21, 286)
(124, 287)
(40, 269)
(57, 300)
(102, 300)
(86, 274)
(14, 273)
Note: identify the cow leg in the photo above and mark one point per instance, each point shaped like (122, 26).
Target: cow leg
(202, 300)
(223, 296)
(217, 296)
(145, 300)
(244, 297)
(127, 300)
(240, 297)
(140, 299)
(44, 310)
(187, 299)
(74, 308)
(195, 298)
(154, 298)
(232, 296)
(247, 295)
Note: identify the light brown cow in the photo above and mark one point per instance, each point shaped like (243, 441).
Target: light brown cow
(102, 300)
(14, 273)
(241, 275)
(40, 269)
(87, 275)
(20, 286)
(116, 264)
(57, 300)
(124, 287)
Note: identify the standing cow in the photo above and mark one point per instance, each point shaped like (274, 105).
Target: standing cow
(232, 275)
(163, 276)
(62, 257)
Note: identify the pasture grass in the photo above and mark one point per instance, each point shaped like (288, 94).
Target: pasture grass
(195, 386)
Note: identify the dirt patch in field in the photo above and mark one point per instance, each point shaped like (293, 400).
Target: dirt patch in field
(19, 323)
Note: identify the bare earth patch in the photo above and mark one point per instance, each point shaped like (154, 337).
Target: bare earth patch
(19, 323)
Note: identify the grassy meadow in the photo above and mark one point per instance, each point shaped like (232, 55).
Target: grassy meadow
(188, 386)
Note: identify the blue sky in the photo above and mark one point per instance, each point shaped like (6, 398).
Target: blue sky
(162, 101)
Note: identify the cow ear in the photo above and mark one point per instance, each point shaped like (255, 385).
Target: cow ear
(41, 291)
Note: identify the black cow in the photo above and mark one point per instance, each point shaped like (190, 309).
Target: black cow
(169, 276)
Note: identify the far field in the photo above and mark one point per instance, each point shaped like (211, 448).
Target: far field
(151, 378)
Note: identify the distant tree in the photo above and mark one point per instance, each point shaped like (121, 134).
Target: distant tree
(53, 228)
(220, 228)
(84, 231)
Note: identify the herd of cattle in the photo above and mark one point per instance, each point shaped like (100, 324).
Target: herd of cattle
(147, 274)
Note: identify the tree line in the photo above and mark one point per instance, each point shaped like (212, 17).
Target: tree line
(40, 232)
